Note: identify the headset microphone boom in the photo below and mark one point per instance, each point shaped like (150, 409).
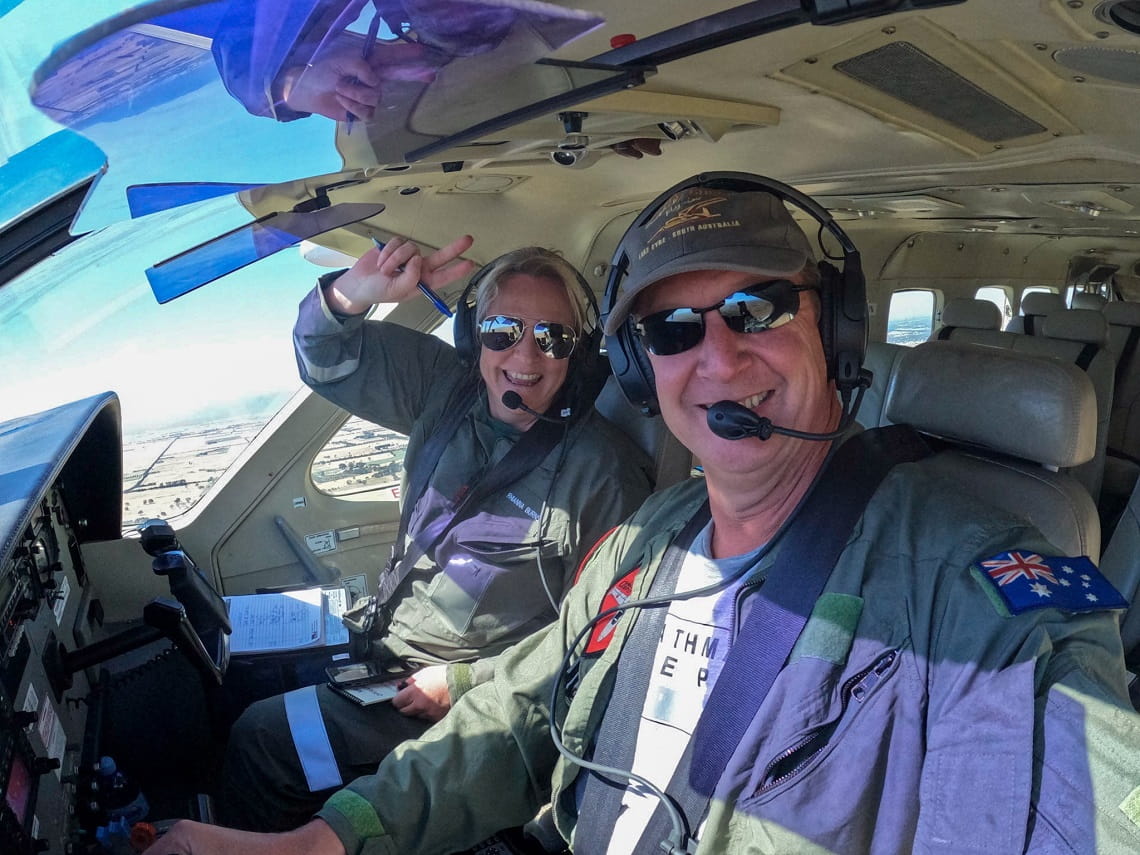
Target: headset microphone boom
(513, 401)
(730, 420)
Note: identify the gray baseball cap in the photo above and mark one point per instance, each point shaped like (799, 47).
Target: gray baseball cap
(702, 228)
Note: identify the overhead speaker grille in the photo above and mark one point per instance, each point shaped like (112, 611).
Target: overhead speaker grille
(903, 71)
(1121, 66)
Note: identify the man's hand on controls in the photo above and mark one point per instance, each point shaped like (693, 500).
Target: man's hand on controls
(390, 275)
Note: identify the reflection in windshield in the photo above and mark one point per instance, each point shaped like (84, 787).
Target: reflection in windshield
(397, 75)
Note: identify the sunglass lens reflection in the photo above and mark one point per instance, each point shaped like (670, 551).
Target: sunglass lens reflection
(500, 332)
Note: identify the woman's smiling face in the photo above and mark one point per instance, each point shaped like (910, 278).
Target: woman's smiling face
(524, 368)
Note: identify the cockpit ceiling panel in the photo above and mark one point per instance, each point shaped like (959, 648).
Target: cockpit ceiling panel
(919, 76)
(902, 70)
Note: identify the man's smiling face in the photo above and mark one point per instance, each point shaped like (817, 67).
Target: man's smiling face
(780, 373)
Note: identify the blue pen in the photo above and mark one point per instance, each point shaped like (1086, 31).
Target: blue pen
(426, 291)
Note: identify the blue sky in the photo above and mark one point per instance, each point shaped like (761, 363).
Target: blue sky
(85, 321)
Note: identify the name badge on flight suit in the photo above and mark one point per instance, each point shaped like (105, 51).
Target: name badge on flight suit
(1025, 580)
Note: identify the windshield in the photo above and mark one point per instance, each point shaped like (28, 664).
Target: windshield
(197, 377)
(184, 112)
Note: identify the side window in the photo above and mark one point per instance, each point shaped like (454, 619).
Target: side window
(361, 458)
(1000, 297)
(910, 320)
(364, 458)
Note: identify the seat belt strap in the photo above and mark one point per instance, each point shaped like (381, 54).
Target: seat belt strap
(816, 536)
(599, 799)
(1085, 357)
(527, 452)
(1126, 353)
(458, 405)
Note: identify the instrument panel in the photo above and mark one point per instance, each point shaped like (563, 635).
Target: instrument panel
(60, 482)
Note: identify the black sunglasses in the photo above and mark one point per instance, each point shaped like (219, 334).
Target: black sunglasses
(500, 332)
(764, 306)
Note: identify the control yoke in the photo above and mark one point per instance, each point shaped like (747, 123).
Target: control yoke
(205, 610)
(195, 619)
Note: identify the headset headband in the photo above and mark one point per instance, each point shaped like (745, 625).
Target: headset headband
(843, 309)
(586, 373)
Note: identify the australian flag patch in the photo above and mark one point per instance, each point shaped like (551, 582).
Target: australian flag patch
(1026, 580)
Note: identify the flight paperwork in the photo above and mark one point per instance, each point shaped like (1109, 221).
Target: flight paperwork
(294, 620)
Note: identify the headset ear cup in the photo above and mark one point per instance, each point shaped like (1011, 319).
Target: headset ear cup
(851, 323)
(828, 287)
(843, 320)
(648, 403)
(463, 333)
(854, 319)
(463, 327)
(587, 371)
(630, 366)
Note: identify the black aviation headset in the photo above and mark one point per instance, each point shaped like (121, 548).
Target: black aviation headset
(587, 370)
(843, 293)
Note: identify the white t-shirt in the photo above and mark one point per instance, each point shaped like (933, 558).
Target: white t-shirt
(695, 640)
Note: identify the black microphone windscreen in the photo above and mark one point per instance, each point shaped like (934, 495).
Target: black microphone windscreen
(730, 420)
(512, 400)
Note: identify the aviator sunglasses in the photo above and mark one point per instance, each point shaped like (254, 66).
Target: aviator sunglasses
(761, 307)
(500, 332)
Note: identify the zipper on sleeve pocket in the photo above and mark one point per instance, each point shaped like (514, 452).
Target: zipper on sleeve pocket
(857, 688)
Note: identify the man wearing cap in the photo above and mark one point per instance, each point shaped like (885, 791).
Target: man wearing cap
(912, 714)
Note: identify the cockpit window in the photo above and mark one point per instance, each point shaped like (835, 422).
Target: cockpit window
(911, 317)
(197, 378)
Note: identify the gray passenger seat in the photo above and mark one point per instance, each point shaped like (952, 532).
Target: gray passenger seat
(1122, 465)
(1121, 566)
(970, 313)
(672, 462)
(1011, 425)
(1035, 307)
(1075, 336)
(882, 360)
(1087, 300)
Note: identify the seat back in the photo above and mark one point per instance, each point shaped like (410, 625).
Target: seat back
(1081, 337)
(1009, 424)
(1121, 566)
(672, 462)
(882, 361)
(1035, 307)
(1123, 337)
(1076, 336)
(970, 313)
(1088, 300)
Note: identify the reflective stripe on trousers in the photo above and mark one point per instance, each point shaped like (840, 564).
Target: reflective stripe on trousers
(307, 727)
